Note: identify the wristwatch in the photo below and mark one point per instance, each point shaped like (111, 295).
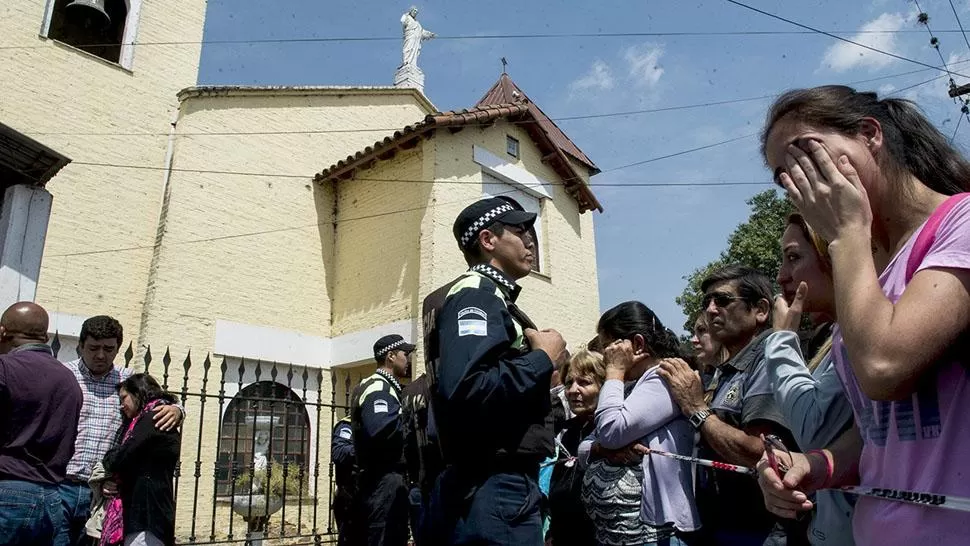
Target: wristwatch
(698, 417)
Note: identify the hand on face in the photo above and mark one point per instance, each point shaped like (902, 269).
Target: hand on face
(787, 317)
(828, 193)
(619, 355)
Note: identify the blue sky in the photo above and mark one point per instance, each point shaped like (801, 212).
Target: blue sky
(649, 238)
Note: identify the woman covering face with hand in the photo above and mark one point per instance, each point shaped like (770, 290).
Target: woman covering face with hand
(807, 388)
(865, 171)
(635, 342)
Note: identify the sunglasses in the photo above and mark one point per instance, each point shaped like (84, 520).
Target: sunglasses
(780, 460)
(720, 299)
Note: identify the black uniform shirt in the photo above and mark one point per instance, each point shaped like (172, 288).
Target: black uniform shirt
(491, 391)
(342, 452)
(375, 410)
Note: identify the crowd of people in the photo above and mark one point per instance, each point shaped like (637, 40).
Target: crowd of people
(827, 414)
(87, 450)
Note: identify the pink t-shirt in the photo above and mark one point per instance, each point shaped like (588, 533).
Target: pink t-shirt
(921, 443)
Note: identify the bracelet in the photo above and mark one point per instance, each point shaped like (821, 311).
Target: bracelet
(829, 469)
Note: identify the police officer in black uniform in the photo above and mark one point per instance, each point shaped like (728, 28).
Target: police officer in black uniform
(344, 464)
(380, 517)
(490, 369)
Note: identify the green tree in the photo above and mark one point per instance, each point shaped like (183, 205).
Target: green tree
(755, 243)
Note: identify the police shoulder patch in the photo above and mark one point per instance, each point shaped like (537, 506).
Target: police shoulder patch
(380, 406)
(472, 327)
(473, 311)
(345, 433)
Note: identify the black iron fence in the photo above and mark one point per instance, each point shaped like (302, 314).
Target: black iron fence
(255, 459)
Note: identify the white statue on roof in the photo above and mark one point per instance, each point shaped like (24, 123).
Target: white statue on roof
(414, 34)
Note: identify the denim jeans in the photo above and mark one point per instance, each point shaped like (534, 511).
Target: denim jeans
(417, 514)
(76, 504)
(501, 508)
(30, 514)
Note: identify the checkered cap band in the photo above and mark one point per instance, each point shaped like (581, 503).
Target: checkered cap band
(390, 347)
(484, 221)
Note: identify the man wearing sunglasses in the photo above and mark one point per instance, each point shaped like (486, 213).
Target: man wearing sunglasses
(737, 303)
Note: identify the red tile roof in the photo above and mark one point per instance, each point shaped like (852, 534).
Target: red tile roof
(505, 91)
(550, 140)
(407, 137)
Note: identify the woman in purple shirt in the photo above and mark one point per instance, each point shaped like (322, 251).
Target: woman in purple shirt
(635, 341)
(868, 172)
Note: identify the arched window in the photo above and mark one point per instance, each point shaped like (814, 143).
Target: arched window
(268, 413)
(105, 28)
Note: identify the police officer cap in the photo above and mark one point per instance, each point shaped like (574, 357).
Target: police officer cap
(388, 343)
(485, 212)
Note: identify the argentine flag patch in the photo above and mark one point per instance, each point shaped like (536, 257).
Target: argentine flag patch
(472, 327)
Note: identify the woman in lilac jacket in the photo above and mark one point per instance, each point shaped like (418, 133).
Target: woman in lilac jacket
(635, 341)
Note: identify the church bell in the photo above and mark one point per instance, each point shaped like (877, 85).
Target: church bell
(91, 6)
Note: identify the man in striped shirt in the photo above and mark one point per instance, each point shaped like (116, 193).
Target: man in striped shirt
(98, 344)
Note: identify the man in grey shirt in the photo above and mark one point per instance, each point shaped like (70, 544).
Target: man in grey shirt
(741, 407)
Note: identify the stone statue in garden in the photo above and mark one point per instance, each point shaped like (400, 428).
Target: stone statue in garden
(259, 460)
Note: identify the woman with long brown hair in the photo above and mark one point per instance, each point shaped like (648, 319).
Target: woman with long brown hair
(866, 171)
(807, 387)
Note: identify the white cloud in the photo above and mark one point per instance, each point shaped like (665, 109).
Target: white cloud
(844, 56)
(958, 63)
(885, 89)
(599, 77)
(644, 64)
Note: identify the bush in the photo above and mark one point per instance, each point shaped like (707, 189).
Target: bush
(276, 486)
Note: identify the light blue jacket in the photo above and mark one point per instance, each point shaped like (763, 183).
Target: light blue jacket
(817, 411)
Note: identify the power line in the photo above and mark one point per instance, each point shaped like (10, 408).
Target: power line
(413, 181)
(924, 19)
(684, 152)
(414, 209)
(837, 37)
(960, 24)
(915, 85)
(391, 129)
(356, 218)
(304, 177)
(543, 36)
(557, 119)
(959, 121)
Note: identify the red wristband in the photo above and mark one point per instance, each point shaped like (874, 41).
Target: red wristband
(829, 470)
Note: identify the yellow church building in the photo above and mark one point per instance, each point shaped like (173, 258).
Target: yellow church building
(255, 241)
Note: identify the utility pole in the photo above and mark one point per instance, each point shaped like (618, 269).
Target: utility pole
(958, 91)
